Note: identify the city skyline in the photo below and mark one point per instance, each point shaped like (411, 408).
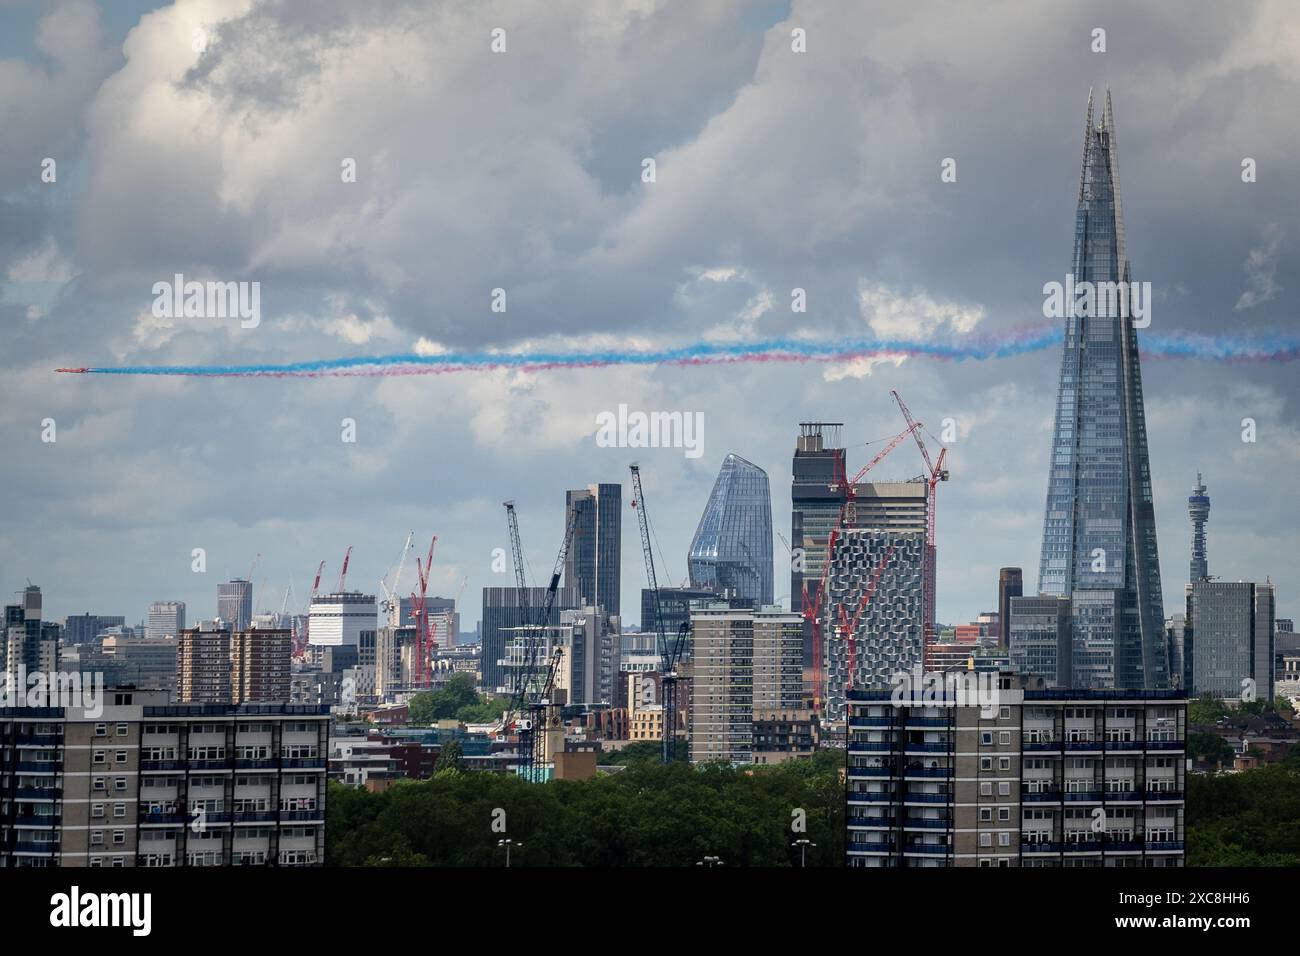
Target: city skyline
(686, 258)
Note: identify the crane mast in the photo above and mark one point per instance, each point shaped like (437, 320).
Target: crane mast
(668, 656)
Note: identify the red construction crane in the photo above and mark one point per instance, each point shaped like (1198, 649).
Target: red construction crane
(343, 575)
(422, 639)
(811, 610)
(935, 474)
(301, 647)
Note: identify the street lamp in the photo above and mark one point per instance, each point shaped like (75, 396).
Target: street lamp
(710, 861)
(508, 844)
(803, 845)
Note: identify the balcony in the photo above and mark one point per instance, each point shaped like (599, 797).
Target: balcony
(1164, 796)
(162, 818)
(303, 763)
(1042, 847)
(1082, 846)
(39, 766)
(39, 793)
(917, 823)
(859, 772)
(926, 798)
(155, 765)
(1164, 846)
(1085, 796)
(927, 748)
(937, 849)
(871, 722)
(927, 772)
(1074, 746)
(1040, 745)
(1124, 745)
(40, 740)
(23, 846)
(1041, 796)
(254, 816)
(1123, 796)
(317, 814)
(870, 797)
(216, 763)
(254, 763)
(926, 721)
(873, 746)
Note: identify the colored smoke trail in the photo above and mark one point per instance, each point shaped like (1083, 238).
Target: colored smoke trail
(782, 351)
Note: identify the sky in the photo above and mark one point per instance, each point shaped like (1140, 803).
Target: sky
(522, 170)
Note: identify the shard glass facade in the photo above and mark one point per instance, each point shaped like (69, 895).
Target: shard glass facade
(1099, 530)
(732, 547)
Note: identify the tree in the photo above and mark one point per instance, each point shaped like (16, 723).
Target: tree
(451, 756)
(1205, 709)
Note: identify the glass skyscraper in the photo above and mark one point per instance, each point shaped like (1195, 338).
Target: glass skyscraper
(1099, 533)
(732, 547)
(593, 564)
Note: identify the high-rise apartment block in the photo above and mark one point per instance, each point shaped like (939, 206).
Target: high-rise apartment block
(148, 783)
(30, 645)
(731, 553)
(203, 673)
(747, 665)
(592, 566)
(1099, 531)
(1042, 778)
(259, 666)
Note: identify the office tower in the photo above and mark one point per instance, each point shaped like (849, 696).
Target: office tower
(126, 787)
(1011, 584)
(731, 553)
(166, 619)
(593, 640)
(1180, 651)
(816, 500)
(1232, 639)
(503, 609)
(591, 567)
(235, 603)
(747, 670)
(260, 663)
(941, 784)
(1039, 641)
(1198, 509)
(339, 618)
(203, 672)
(30, 645)
(1099, 530)
(84, 628)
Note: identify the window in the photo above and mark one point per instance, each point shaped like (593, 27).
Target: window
(99, 783)
(986, 763)
(986, 814)
(986, 839)
(1004, 712)
(1004, 814)
(119, 810)
(96, 837)
(121, 730)
(986, 738)
(986, 789)
(1004, 839)
(101, 730)
(119, 783)
(1004, 738)
(100, 756)
(1004, 763)
(96, 861)
(119, 756)
(97, 810)
(119, 837)
(1004, 789)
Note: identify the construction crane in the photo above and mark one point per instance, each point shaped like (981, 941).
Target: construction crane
(537, 701)
(668, 655)
(517, 556)
(343, 575)
(301, 649)
(811, 610)
(391, 599)
(935, 474)
(421, 616)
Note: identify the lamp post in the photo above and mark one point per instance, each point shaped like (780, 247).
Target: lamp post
(803, 845)
(508, 844)
(710, 861)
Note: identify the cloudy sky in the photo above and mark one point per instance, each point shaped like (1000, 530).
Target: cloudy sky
(522, 170)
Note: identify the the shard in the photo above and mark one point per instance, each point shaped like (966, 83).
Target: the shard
(1099, 532)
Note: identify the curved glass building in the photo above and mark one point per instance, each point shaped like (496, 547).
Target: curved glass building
(732, 547)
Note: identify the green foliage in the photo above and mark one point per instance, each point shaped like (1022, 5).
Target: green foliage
(647, 815)
(1245, 819)
(1205, 709)
(451, 756)
(642, 751)
(456, 699)
(1283, 705)
(1209, 747)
